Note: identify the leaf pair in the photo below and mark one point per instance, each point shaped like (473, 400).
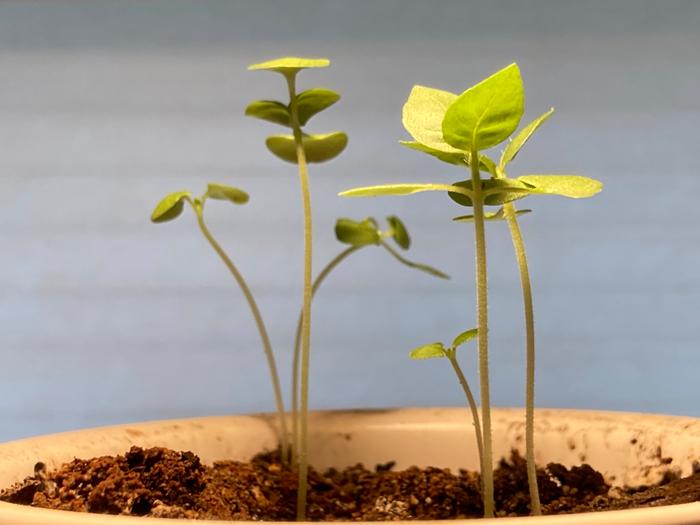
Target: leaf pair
(434, 350)
(365, 232)
(170, 207)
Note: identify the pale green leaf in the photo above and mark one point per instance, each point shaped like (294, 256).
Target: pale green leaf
(356, 233)
(269, 110)
(486, 164)
(486, 114)
(451, 157)
(422, 116)
(393, 189)
(290, 65)
(313, 101)
(226, 193)
(495, 191)
(464, 337)
(573, 186)
(429, 351)
(514, 146)
(399, 232)
(318, 148)
(489, 216)
(170, 207)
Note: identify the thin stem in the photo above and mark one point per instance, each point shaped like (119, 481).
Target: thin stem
(472, 406)
(519, 248)
(267, 347)
(297, 344)
(482, 325)
(306, 309)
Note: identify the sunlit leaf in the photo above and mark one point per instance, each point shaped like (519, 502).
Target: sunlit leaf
(487, 113)
(422, 117)
(495, 191)
(489, 216)
(269, 110)
(393, 189)
(429, 351)
(170, 207)
(318, 148)
(356, 233)
(313, 101)
(290, 65)
(464, 337)
(573, 186)
(226, 193)
(399, 232)
(514, 146)
(451, 157)
(486, 164)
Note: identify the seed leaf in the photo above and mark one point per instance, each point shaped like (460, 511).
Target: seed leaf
(496, 191)
(487, 113)
(314, 101)
(290, 65)
(464, 337)
(429, 351)
(451, 157)
(399, 232)
(423, 113)
(270, 110)
(356, 233)
(392, 189)
(514, 146)
(490, 216)
(573, 186)
(318, 148)
(170, 207)
(226, 193)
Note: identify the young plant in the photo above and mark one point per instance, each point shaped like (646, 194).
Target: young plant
(170, 208)
(300, 148)
(456, 129)
(357, 234)
(438, 349)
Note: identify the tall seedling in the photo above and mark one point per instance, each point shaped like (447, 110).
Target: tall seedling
(456, 129)
(300, 148)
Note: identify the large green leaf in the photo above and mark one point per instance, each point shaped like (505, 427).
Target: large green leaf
(399, 232)
(486, 114)
(514, 146)
(393, 189)
(290, 65)
(429, 351)
(451, 157)
(170, 206)
(226, 193)
(573, 186)
(356, 233)
(318, 148)
(490, 216)
(422, 117)
(495, 191)
(269, 110)
(313, 101)
(464, 337)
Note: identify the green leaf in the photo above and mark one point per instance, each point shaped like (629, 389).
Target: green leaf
(521, 138)
(399, 232)
(170, 207)
(290, 65)
(269, 110)
(487, 113)
(490, 216)
(393, 189)
(318, 148)
(226, 193)
(313, 101)
(464, 337)
(357, 233)
(422, 117)
(486, 164)
(428, 351)
(496, 191)
(573, 186)
(451, 157)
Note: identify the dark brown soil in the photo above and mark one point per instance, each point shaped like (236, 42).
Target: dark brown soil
(164, 483)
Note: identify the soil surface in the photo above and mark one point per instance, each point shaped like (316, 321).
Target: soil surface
(164, 483)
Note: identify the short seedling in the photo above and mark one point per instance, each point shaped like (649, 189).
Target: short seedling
(456, 129)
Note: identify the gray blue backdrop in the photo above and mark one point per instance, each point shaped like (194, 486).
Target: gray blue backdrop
(107, 106)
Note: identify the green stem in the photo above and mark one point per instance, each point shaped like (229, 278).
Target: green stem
(297, 344)
(472, 406)
(482, 325)
(267, 347)
(306, 309)
(519, 247)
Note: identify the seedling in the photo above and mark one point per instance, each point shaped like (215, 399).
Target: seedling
(170, 208)
(300, 148)
(456, 129)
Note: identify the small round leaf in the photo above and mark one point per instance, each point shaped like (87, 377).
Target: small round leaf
(430, 351)
(226, 193)
(290, 65)
(496, 191)
(313, 101)
(270, 110)
(464, 337)
(357, 233)
(399, 232)
(170, 207)
(318, 148)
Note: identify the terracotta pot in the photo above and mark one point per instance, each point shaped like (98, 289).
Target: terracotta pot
(627, 448)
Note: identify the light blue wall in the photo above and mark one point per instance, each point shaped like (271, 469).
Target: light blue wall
(106, 106)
